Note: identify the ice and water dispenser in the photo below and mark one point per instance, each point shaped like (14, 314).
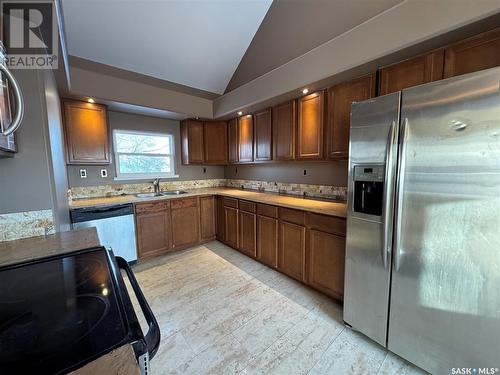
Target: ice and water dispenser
(368, 189)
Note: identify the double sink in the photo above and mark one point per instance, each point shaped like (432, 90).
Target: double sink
(160, 194)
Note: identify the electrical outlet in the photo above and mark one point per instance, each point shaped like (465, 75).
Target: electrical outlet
(204, 170)
(104, 173)
(305, 172)
(236, 170)
(83, 173)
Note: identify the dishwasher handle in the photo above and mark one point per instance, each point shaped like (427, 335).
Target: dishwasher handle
(152, 337)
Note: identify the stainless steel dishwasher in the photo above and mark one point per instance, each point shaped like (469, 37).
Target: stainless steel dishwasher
(115, 226)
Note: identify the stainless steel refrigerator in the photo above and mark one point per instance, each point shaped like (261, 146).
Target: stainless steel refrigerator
(423, 223)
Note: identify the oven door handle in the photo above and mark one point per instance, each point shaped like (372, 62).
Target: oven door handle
(152, 337)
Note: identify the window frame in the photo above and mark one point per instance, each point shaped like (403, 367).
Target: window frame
(143, 176)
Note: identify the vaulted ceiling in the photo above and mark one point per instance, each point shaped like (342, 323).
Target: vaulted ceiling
(196, 43)
(209, 45)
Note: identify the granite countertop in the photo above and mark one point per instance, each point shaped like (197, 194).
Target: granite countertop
(321, 206)
(31, 248)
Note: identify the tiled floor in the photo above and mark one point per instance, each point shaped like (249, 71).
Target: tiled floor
(221, 312)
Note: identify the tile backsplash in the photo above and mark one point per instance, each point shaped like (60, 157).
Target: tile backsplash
(19, 225)
(309, 190)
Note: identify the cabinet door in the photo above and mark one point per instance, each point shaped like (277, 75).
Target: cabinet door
(153, 233)
(86, 131)
(284, 120)
(192, 142)
(221, 219)
(292, 250)
(412, 72)
(185, 219)
(310, 126)
(231, 226)
(473, 54)
(215, 141)
(340, 98)
(245, 139)
(263, 136)
(267, 240)
(232, 140)
(248, 228)
(207, 217)
(326, 263)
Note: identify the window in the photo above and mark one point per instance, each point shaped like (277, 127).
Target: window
(143, 154)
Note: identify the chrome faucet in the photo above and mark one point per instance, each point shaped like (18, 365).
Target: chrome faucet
(156, 186)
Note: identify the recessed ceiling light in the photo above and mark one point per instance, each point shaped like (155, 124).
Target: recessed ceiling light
(91, 100)
(240, 113)
(305, 91)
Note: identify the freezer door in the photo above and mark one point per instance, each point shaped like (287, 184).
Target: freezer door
(445, 289)
(372, 160)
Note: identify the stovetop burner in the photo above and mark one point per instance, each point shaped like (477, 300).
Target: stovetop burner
(72, 313)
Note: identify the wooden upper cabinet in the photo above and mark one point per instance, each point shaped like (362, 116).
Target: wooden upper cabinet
(232, 140)
(340, 98)
(310, 126)
(263, 136)
(215, 142)
(192, 142)
(412, 72)
(86, 132)
(284, 120)
(473, 54)
(245, 139)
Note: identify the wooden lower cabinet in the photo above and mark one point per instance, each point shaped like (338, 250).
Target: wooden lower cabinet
(207, 218)
(231, 226)
(221, 220)
(267, 240)
(326, 263)
(248, 233)
(306, 246)
(292, 250)
(153, 233)
(185, 219)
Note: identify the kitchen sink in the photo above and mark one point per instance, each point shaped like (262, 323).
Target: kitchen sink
(173, 192)
(147, 195)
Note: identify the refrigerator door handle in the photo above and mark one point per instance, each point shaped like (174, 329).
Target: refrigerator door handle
(388, 194)
(399, 202)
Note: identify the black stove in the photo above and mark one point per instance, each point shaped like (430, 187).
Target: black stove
(59, 313)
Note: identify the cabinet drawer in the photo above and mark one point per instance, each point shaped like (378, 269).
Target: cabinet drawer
(267, 210)
(146, 208)
(248, 206)
(183, 203)
(328, 224)
(230, 202)
(292, 216)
